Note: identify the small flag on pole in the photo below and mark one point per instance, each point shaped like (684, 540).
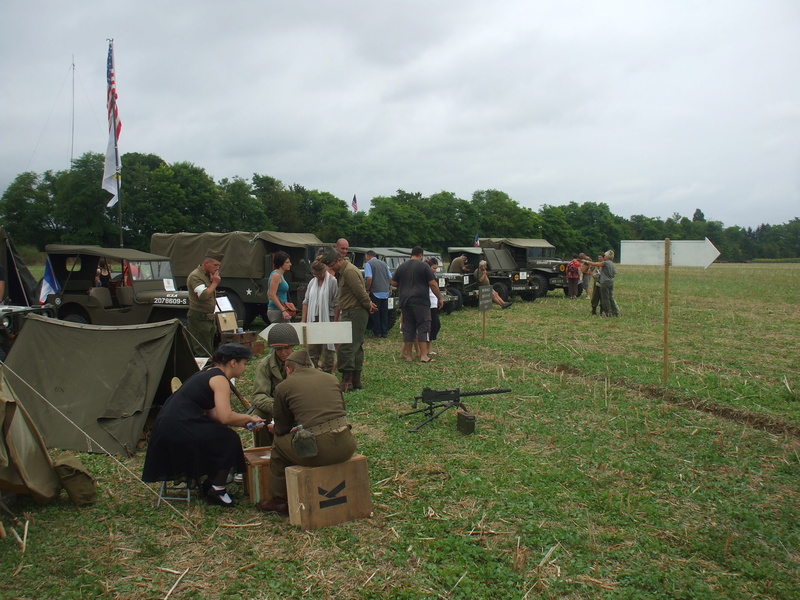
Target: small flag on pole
(50, 284)
(477, 242)
(112, 166)
(354, 204)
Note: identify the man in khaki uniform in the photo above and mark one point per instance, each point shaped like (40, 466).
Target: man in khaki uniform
(270, 371)
(202, 284)
(310, 398)
(355, 307)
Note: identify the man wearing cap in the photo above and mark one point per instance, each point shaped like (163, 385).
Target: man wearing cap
(376, 279)
(202, 284)
(354, 307)
(459, 265)
(270, 371)
(312, 399)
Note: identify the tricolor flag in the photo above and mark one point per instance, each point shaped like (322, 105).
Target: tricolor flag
(477, 242)
(50, 284)
(111, 180)
(354, 204)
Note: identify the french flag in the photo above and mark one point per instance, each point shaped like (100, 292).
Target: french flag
(50, 284)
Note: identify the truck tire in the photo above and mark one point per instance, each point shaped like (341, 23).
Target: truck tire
(502, 290)
(542, 281)
(76, 317)
(455, 304)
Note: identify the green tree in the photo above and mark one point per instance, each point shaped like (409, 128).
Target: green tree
(80, 203)
(500, 216)
(282, 206)
(557, 230)
(241, 209)
(26, 208)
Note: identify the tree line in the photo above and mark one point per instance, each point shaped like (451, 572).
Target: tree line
(70, 207)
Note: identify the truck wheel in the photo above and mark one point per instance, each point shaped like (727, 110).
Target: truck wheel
(542, 281)
(393, 317)
(502, 290)
(455, 304)
(75, 317)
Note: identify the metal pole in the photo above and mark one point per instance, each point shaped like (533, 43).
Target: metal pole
(665, 374)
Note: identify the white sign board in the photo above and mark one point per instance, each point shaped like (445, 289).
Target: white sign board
(340, 332)
(683, 253)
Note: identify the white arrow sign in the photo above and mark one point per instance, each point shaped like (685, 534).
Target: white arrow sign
(683, 253)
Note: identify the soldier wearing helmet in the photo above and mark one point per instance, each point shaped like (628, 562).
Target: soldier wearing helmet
(281, 338)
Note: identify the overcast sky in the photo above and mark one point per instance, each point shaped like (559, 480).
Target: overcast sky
(651, 106)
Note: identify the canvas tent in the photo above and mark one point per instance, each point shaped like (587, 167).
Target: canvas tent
(20, 284)
(25, 466)
(104, 379)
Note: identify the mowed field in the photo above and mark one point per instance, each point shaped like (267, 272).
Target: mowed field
(591, 479)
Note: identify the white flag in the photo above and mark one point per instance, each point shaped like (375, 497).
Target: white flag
(111, 181)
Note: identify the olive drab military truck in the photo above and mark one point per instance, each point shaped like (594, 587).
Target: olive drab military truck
(247, 264)
(506, 277)
(537, 257)
(140, 290)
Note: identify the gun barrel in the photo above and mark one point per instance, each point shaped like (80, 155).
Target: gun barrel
(486, 392)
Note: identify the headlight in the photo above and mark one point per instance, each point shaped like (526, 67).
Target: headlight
(6, 322)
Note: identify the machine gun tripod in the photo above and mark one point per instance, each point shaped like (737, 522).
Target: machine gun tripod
(438, 401)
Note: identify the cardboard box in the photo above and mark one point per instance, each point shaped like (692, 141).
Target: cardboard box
(256, 479)
(322, 496)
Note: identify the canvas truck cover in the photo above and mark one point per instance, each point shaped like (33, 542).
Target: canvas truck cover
(25, 465)
(103, 379)
(516, 242)
(244, 251)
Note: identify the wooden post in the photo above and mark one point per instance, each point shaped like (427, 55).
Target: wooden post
(665, 374)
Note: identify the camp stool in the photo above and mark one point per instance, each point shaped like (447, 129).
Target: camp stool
(183, 494)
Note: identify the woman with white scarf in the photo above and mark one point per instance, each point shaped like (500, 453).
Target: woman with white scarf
(321, 304)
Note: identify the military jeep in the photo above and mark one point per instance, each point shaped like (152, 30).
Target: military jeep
(504, 275)
(12, 319)
(142, 289)
(537, 258)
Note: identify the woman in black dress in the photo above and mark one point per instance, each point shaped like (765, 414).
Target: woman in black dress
(191, 440)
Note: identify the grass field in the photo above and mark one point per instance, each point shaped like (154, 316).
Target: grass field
(591, 479)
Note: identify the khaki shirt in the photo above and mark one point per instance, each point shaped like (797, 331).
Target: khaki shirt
(307, 397)
(203, 305)
(269, 373)
(352, 293)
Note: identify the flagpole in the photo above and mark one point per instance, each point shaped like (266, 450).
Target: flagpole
(119, 198)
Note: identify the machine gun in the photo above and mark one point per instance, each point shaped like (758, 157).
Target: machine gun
(441, 400)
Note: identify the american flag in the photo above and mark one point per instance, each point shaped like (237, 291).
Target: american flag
(112, 166)
(477, 242)
(354, 204)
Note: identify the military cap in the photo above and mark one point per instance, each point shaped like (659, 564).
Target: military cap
(234, 350)
(329, 256)
(282, 334)
(301, 357)
(214, 254)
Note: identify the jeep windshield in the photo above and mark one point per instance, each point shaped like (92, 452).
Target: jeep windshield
(150, 270)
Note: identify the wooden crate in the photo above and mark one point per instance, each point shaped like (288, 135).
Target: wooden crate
(256, 479)
(248, 339)
(322, 496)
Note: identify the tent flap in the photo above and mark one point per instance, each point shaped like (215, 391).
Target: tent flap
(89, 387)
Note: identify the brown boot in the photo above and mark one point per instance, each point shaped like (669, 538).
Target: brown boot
(346, 384)
(357, 380)
(274, 505)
